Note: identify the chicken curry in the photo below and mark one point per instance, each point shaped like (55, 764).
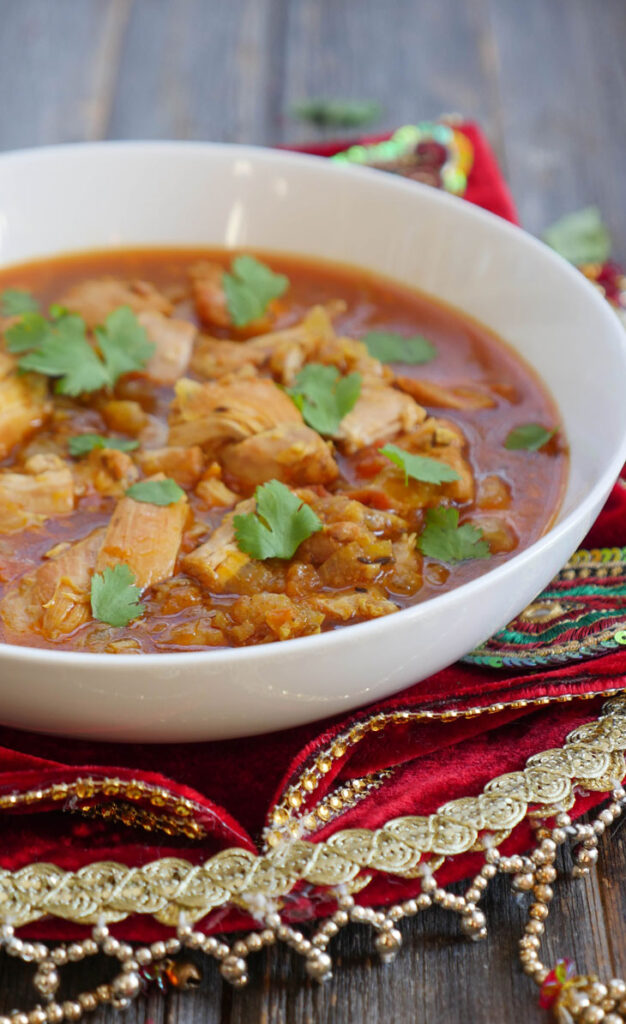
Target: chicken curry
(206, 449)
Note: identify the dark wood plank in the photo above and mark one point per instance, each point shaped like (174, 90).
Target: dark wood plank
(192, 70)
(417, 60)
(562, 85)
(58, 63)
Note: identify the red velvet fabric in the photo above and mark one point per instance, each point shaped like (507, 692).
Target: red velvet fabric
(235, 784)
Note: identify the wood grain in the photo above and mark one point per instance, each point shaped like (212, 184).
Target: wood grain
(547, 80)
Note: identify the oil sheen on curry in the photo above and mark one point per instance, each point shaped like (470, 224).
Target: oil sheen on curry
(203, 449)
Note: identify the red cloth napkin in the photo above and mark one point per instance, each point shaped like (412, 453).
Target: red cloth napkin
(413, 767)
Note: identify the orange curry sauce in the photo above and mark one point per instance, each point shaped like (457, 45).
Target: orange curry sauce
(517, 493)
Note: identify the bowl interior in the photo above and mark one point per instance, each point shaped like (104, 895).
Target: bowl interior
(72, 198)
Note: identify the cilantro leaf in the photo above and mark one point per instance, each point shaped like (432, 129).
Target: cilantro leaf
(580, 237)
(64, 352)
(16, 301)
(156, 492)
(420, 467)
(82, 444)
(114, 596)
(390, 347)
(281, 522)
(336, 113)
(123, 342)
(444, 539)
(530, 437)
(29, 332)
(324, 397)
(249, 289)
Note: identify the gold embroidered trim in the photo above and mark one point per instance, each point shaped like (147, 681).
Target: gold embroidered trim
(286, 820)
(591, 758)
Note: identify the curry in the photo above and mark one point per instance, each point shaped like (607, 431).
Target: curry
(204, 449)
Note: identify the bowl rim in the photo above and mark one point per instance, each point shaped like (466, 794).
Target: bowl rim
(390, 183)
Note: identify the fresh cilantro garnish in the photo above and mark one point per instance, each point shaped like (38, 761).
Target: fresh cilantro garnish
(82, 444)
(530, 437)
(114, 596)
(390, 347)
(15, 301)
(281, 522)
(580, 237)
(444, 539)
(123, 343)
(65, 353)
(250, 287)
(337, 113)
(420, 467)
(156, 492)
(324, 397)
(59, 348)
(29, 332)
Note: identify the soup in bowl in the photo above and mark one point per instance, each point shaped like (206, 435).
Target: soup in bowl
(278, 437)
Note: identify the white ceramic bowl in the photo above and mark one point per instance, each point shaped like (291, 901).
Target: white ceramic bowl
(116, 194)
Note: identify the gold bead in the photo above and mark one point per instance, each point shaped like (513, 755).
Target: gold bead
(274, 838)
(324, 764)
(387, 943)
(280, 816)
(538, 911)
(309, 782)
(323, 812)
(295, 799)
(592, 1015)
(72, 1010)
(523, 882)
(338, 749)
(88, 1001)
(543, 893)
(534, 927)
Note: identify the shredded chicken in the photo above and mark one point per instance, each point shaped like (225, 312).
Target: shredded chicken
(146, 537)
(216, 562)
(290, 452)
(95, 298)
(184, 465)
(379, 414)
(430, 393)
(174, 343)
(24, 407)
(45, 489)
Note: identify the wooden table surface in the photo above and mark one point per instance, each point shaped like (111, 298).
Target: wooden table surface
(547, 80)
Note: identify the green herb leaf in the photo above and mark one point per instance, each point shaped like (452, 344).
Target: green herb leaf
(324, 397)
(64, 352)
(15, 302)
(580, 237)
(281, 522)
(444, 539)
(82, 444)
(114, 596)
(337, 113)
(420, 467)
(29, 332)
(123, 342)
(250, 287)
(390, 347)
(530, 437)
(156, 492)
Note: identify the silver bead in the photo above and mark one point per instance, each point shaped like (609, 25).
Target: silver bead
(158, 950)
(172, 946)
(254, 942)
(143, 956)
(234, 969)
(37, 1016)
(523, 882)
(489, 870)
(586, 858)
(613, 1018)
(617, 988)
(126, 986)
(592, 1015)
(99, 933)
(6, 932)
(559, 835)
(59, 955)
(46, 982)
(72, 1010)
(387, 943)
(473, 924)
(319, 967)
(410, 908)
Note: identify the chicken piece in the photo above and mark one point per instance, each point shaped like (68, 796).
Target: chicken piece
(349, 356)
(96, 298)
(285, 352)
(216, 562)
(24, 407)
(215, 493)
(290, 452)
(45, 489)
(405, 572)
(268, 617)
(174, 343)
(184, 465)
(379, 414)
(430, 393)
(359, 561)
(213, 358)
(211, 305)
(213, 414)
(146, 537)
(56, 598)
(345, 521)
(368, 604)
(107, 471)
(8, 364)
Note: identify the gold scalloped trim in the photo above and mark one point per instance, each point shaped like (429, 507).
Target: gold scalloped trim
(592, 758)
